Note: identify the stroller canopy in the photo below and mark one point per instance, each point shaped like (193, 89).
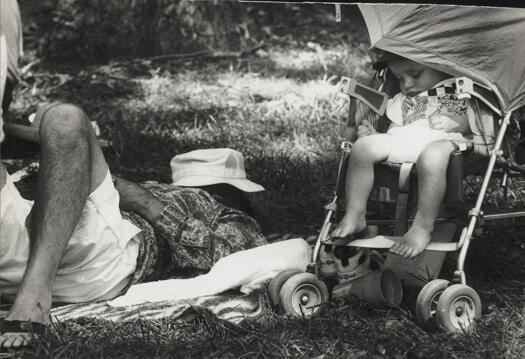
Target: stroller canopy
(484, 44)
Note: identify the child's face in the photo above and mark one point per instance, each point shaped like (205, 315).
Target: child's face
(415, 78)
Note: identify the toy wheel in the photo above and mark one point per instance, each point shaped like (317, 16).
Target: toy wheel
(458, 309)
(274, 288)
(303, 295)
(426, 303)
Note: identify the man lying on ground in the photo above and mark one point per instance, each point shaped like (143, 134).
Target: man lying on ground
(73, 244)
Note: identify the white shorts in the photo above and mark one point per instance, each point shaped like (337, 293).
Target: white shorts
(409, 141)
(99, 259)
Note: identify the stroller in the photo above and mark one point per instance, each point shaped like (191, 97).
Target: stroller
(488, 71)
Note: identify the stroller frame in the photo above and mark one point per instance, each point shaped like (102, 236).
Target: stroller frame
(452, 306)
(475, 214)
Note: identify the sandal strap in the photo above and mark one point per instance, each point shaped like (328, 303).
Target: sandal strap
(22, 326)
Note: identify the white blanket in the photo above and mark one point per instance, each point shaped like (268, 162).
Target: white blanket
(247, 269)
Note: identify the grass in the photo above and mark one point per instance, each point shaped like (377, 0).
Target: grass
(275, 107)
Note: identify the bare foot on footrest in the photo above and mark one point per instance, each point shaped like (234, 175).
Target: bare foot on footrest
(412, 243)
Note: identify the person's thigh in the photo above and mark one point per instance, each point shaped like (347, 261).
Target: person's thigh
(374, 148)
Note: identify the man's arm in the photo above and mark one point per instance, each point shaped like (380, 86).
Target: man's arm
(198, 229)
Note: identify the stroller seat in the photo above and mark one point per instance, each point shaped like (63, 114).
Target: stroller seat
(401, 179)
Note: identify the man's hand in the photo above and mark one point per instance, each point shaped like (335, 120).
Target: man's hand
(365, 129)
(447, 124)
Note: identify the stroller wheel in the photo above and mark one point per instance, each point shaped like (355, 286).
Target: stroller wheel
(426, 303)
(458, 309)
(274, 288)
(303, 295)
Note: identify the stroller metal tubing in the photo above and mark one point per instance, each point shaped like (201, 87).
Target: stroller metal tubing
(492, 217)
(476, 211)
(323, 234)
(331, 207)
(439, 220)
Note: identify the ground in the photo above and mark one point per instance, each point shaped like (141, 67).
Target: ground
(274, 105)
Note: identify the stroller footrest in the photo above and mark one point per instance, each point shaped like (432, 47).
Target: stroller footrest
(387, 242)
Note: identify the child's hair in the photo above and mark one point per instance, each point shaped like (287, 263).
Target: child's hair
(383, 58)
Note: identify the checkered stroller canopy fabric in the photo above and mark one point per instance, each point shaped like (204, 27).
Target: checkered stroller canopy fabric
(482, 43)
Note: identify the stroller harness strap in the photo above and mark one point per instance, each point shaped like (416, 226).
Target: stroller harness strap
(439, 91)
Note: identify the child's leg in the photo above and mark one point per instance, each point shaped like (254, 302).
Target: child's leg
(431, 170)
(367, 151)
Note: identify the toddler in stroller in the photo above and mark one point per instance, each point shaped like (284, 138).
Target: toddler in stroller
(489, 89)
(427, 120)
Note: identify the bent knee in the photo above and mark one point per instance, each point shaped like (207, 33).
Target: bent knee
(373, 148)
(64, 125)
(435, 155)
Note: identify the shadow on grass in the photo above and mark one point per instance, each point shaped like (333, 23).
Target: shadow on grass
(346, 329)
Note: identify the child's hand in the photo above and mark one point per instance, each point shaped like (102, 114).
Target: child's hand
(365, 129)
(446, 124)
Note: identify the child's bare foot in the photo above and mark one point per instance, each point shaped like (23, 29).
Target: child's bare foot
(412, 243)
(350, 224)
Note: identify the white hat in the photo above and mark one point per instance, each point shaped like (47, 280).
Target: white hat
(211, 166)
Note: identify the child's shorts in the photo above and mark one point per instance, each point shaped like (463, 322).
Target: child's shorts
(409, 141)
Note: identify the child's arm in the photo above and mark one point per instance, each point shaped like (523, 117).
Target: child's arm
(449, 123)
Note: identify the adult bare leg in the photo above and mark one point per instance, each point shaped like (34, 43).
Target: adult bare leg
(432, 167)
(366, 152)
(71, 166)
